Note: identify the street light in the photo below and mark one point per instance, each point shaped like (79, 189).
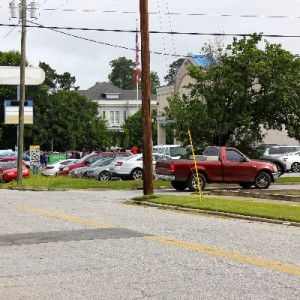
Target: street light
(21, 9)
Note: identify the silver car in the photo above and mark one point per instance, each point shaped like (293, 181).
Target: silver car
(81, 172)
(101, 172)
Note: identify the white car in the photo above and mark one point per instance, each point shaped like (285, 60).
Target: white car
(292, 161)
(174, 151)
(53, 169)
(132, 166)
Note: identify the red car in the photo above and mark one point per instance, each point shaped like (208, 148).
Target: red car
(9, 171)
(89, 159)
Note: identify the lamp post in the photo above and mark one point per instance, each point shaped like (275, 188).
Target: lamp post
(20, 9)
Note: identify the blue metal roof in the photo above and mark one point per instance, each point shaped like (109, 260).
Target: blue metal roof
(202, 60)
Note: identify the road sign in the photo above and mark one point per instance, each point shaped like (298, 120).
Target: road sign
(11, 75)
(34, 155)
(11, 112)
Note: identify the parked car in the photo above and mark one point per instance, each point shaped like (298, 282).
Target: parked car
(279, 150)
(132, 167)
(87, 160)
(278, 161)
(82, 172)
(53, 169)
(9, 171)
(102, 171)
(292, 161)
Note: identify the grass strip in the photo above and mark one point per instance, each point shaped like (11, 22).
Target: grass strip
(65, 183)
(246, 208)
(288, 179)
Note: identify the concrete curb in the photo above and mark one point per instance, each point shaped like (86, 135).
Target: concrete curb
(252, 194)
(215, 213)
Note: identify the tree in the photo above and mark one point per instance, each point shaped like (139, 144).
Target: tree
(248, 89)
(154, 81)
(173, 70)
(133, 129)
(123, 75)
(56, 81)
(65, 116)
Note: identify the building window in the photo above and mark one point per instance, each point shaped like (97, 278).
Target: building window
(112, 117)
(124, 115)
(117, 115)
(103, 115)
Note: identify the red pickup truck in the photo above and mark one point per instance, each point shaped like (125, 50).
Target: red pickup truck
(217, 165)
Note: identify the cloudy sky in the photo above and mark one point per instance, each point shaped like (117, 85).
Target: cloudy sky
(86, 54)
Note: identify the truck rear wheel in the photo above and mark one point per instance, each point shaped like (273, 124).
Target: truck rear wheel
(179, 185)
(262, 180)
(192, 182)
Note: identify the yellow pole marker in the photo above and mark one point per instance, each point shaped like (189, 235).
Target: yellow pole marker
(194, 157)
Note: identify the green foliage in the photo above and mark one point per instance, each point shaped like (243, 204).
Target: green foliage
(173, 70)
(55, 81)
(66, 117)
(123, 73)
(70, 119)
(249, 88)
(154, 81)
(133, 129)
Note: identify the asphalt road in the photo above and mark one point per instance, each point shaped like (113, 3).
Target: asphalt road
(89, 245)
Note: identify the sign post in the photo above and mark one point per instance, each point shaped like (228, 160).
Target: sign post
(35, 158)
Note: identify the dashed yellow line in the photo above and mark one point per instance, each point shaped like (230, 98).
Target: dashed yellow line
(227, 254)
(182, 244)
(68, 218)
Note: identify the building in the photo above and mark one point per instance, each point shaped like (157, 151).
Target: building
(181, 81)
(115, 104)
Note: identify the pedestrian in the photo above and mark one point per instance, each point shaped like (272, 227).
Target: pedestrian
(135, 150)
(43, 160)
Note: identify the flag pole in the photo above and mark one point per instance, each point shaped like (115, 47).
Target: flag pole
(137, 66)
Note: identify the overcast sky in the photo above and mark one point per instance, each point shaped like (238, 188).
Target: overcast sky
(88, 60)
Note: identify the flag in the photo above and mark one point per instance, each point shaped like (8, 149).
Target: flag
(137, 60)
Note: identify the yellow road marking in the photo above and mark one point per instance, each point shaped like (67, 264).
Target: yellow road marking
(227, 254)
(65, 217)
(182, 244)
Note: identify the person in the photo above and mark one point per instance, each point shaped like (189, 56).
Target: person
(135, 149)
(43, 160)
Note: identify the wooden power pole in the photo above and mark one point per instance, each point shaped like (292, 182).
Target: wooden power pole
(22, 95)
(146, 100)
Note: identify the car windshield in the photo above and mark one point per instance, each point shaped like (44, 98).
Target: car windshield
(10, 166)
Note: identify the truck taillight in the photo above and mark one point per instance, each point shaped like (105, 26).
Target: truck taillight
(172, 167)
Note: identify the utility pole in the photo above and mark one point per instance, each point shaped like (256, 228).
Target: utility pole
(20, 10)
(22, 94)
(146, 100)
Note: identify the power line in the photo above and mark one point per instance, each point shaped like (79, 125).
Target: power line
(152, 32)
(104, 43)
(167, 13)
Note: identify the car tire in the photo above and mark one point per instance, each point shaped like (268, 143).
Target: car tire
(193, 184)
(262, 180)
(179, 185)
(295, 167)
(104, 176)
(279, 168)
(246, 185)
(137, 174)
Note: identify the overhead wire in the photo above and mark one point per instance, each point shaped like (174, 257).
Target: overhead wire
(39, 26)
